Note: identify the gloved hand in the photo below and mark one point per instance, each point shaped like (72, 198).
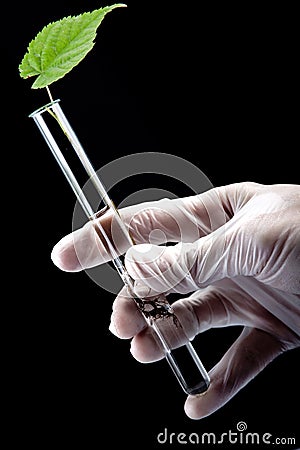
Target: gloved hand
(237, 253)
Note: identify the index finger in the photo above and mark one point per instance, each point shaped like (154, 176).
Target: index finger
(167, 220)
(150, 222)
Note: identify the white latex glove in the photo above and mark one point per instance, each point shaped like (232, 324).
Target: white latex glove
(238, 252)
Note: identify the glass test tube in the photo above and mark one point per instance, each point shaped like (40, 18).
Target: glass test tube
(157, 311)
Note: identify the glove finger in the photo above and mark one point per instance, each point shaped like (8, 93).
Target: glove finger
(167, 220)
(250, 353)
(195, 314)
(227, 303)
(126, 320)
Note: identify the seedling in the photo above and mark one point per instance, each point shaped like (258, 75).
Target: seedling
(60, 46)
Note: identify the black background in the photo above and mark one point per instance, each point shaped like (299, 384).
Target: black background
(216, 86)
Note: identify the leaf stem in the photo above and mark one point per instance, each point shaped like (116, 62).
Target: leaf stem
(52, 113)
(49, 93)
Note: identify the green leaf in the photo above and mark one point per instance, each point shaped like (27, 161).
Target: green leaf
(61, 45)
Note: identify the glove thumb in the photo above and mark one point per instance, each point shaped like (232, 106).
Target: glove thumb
(185, 267)
(181, 268)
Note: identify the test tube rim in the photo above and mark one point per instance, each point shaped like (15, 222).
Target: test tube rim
(43, 108)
